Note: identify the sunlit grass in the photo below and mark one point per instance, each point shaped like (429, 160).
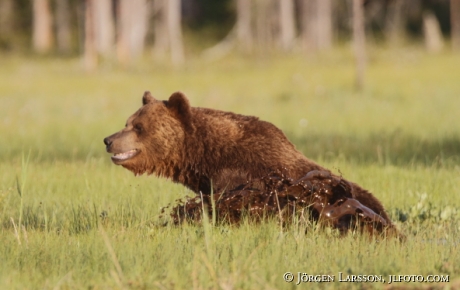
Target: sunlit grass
(79, 215)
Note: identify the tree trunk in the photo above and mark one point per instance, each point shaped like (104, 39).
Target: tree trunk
(160, 31)
(308, 25)
(394, 22)
(243, 24)
(316, 24)
(42, 26)
(6, 22)
(266, 22)
(139, 21)
(455, 23)
(104, 26)
(132, 29)
(90, 55)
(123, 21)
(287, 24)
(432, 33)
(6, 16)
(63, 33)
(324, 20)
(359, 42)
(175, 31)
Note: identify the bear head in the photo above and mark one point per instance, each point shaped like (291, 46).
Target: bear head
(152, 139)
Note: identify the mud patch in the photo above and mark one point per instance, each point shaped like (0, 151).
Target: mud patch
(328, 199)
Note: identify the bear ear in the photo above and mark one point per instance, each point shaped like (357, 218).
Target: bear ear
(147, 98)
(179, 105)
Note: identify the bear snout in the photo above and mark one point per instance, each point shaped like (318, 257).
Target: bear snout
(108, 143)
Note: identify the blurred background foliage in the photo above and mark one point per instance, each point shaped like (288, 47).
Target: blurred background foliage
(127, 29)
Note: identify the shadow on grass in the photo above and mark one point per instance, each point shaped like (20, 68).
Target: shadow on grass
(384, 148)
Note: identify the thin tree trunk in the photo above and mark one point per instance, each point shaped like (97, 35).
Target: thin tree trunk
(160, 31)
(394, 22)
(63, 33)
(432, 33)
(324, 20)
(132, 29)
(175, 31)
(261, 24)
(123, 16)
(308, 25)
(90, 54)
(138, 27)
(243, 24)
(104, 27)
(455, 23)
(359, 42)
(6, 21)
(316, 24)
(42, 26)
(265, 23)
(287, 24)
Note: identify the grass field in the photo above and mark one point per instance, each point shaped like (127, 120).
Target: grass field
(72, 220)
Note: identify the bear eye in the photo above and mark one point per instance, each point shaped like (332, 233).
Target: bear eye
(138, 128)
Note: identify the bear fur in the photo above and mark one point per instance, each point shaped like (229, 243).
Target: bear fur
(209, 150)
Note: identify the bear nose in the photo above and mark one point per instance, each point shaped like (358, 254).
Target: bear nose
(107, 142)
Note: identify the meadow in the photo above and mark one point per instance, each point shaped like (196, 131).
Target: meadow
(70, 219)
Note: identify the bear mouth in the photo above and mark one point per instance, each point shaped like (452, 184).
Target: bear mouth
(123, 156)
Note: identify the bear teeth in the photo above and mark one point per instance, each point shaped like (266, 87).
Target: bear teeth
(125, 155)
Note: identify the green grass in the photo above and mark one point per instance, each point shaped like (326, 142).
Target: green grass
(81, 222)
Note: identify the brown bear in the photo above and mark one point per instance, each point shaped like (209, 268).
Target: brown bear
(210, 150)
